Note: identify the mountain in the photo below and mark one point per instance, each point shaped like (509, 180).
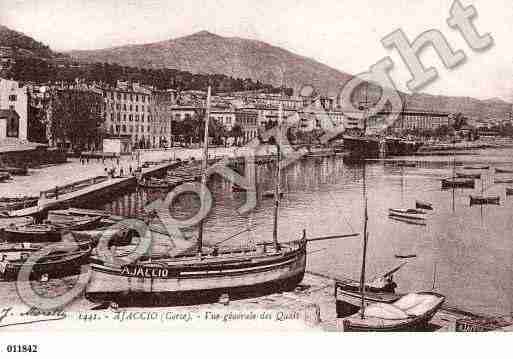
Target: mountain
(23, 45)
(206, 52)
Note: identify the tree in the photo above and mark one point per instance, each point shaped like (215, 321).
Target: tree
(76, 117)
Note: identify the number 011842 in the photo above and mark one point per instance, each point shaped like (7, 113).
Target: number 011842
(22, 348)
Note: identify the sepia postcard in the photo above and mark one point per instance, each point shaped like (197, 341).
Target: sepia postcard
(237, 166)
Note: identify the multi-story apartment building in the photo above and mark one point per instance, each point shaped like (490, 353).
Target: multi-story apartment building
(224, 116)
(14, 106)
(129, 113)
(248, 121)
(161, 128)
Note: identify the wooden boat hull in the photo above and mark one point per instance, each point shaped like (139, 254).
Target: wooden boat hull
(54, 267)
(458, 183)
(28, 233)
(406, 211)
(406, 216)
(197, 283)
(499, 170)
(349, 302)
(423, 205)
(505, 181)
(416, 222)
(416, 323)
(468, 175)
(476, 167)
(477, 200)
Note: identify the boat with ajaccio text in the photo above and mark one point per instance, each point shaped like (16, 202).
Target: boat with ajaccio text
(201, 273)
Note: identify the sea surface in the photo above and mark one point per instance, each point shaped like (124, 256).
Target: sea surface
(462, 252)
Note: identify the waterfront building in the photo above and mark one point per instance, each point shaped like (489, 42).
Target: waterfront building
(224, 116)
(128, 112)
(14, 106)
(248, 122)
(162, 108)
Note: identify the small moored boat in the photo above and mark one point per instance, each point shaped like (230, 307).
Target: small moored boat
(406, 211)
(503, 181)
(503, 170)
(424, 205)
(476, 167)
(478, 200)
(456, 182)
(411, 312)
(468, 175)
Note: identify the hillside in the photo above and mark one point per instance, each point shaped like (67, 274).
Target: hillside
(24, 45)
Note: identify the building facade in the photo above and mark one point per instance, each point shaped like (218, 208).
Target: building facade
(14, 97)
(248, 122)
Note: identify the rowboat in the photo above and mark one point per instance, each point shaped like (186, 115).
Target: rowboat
(406, 211)
(423, 205)
(416, 222)
(502, 170)
(48, 232)
(468, 175)
(503, 181)
(509, 191)
(411, 312)
(476, 167)
(478, 200)
(15, 171)
(457, 183)
(405, 256)
(60, 263)
(406, 216)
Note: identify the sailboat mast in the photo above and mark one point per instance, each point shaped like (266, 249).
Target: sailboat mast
(277, 189)
(364, 252)
(204, 169)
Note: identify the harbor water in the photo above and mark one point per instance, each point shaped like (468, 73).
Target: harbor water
(463, 252)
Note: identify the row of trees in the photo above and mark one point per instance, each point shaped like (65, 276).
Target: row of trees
(44, 71)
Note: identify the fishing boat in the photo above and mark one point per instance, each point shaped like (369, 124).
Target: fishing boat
(424, 205)
(406, 211)
(49, 231)
(468, 175)
(406, 216)
(406, 164)
(152, 183)
(60, 263)
(456, 182)
(502, 170)
(15, 171)
(204, 274)
(509, 191)
(503, 181)
(411, 312)
(479, 200)
(476, 167)
(417, 222)
(405, 256)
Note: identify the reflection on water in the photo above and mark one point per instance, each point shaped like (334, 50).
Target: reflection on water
(465, 252)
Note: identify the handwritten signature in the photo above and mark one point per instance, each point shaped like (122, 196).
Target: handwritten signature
(8, 316)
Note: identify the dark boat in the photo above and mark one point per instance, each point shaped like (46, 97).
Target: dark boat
(362, 147)
(479, 200)
(406, 211)
(348, 294)
(457, 183)
(468, 175)
(58, 264)
(15, 171)
(405, 256)
(503, 181)
(406, 216)
(411, 312)
(48, 232)
(406, 164)
(476, 167)
(502, 170)
(423, 205)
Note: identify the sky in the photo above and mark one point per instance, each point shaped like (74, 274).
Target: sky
(344, 34)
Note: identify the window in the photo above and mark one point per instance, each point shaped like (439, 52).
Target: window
(131, 98)
(119, 118)
(137, 98)
(124, 128)
(136, 108)
(142, 117)
(124, 117)
(148, 128)
(130, 118)
(124, 107)
(124, 96)
(117, 128)
(130, 107)
(12, 98)
(137, 118)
